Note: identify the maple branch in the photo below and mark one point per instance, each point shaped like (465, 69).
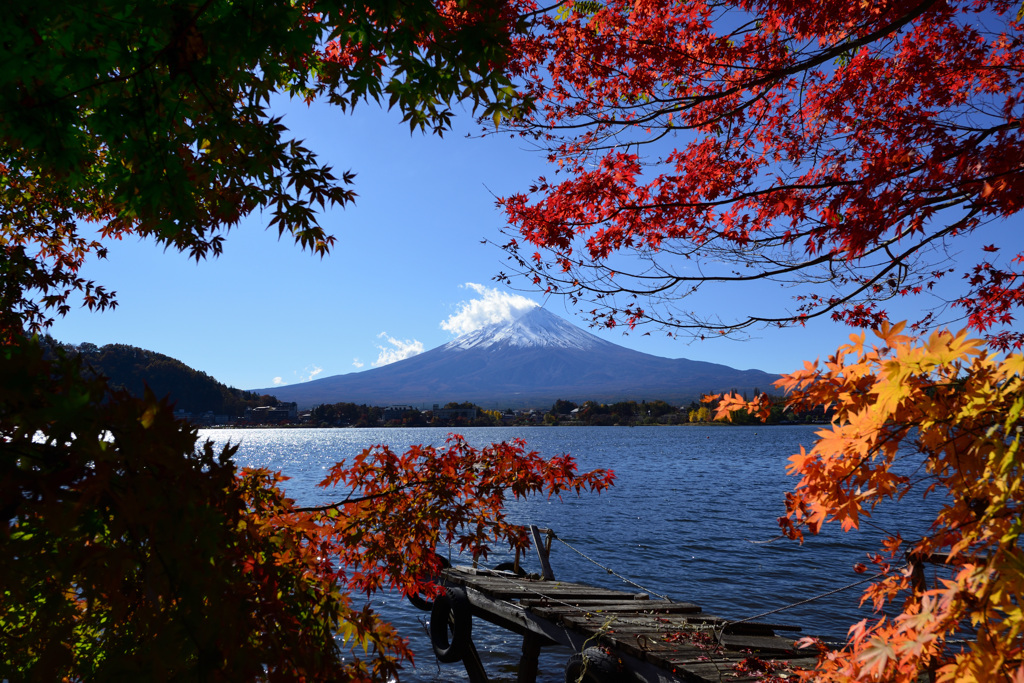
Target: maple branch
(773, 77)
(349, 500)
(670, 281)
(944, 197)
(544, 10)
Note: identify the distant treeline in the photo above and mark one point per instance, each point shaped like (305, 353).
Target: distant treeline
(592, 413)
(131, 368)
(353, 415)
(562, 412)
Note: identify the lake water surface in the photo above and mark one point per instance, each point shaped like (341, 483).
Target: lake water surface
(692, 516)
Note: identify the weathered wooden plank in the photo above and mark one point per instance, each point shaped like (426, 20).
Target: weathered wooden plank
(663, 644)
(555, 611)
(645, 606)
(558, 605)
(555, 607)
(656, 622)
(552, 592)
(470, 574)
(626, 623)
(644, 647)
(584, 592)
(666, 654)
(539, 588)
(712, 672)
(487, 576)
(660, 636)
(718, 669)
(549, 587)
(638, 620)
(630, 616)
(765, 644)
(770, 645)
(693, 657)
(564, 595)
(513, 617)
(637, 629)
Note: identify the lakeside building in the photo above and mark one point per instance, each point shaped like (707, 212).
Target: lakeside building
(394, 412)
(271, 414)
(453, 413)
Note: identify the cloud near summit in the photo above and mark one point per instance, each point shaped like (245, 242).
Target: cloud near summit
(396, 350)
(491, 307)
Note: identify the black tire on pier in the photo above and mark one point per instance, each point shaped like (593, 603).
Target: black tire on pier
(418, 600)
(451, 613)
(510, 567)
(593, 665)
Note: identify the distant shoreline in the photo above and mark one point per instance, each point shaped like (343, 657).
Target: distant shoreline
(541, 425)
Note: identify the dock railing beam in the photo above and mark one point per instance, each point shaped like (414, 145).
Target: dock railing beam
(543, 550)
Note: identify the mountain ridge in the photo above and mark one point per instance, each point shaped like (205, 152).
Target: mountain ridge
(528, 362)
(134, 369)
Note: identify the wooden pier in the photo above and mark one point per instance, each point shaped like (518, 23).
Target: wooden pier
(615, 635)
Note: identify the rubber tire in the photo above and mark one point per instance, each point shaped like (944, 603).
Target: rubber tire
(418, 600)
(510, 567)
(451, 610)
(599, 667)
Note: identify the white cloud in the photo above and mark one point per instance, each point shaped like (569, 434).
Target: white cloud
(399, 349)
(493, 306)
(357, 363)
(310, 372)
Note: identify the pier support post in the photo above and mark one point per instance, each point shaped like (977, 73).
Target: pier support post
(528, 662)
(474, 667)
(542, 553)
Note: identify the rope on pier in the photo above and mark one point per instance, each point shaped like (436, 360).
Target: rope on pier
(814, 597)
(611, 571)
(805, 601)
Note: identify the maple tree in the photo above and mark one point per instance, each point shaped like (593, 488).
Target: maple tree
(153, 119)
(131, 550)
(843, 149)
(838, 148)
(941, 417)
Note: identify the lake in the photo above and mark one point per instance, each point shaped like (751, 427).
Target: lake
(692, 516)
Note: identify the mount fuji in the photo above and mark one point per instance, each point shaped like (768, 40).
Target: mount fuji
(527, 363)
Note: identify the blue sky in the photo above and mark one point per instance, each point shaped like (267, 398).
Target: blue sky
(267, 312)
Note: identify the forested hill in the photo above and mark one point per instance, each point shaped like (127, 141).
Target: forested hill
(196, 392)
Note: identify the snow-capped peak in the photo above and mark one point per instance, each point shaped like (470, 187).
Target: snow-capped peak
(534, 328)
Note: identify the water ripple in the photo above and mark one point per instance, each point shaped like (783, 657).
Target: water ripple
(691, 516)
